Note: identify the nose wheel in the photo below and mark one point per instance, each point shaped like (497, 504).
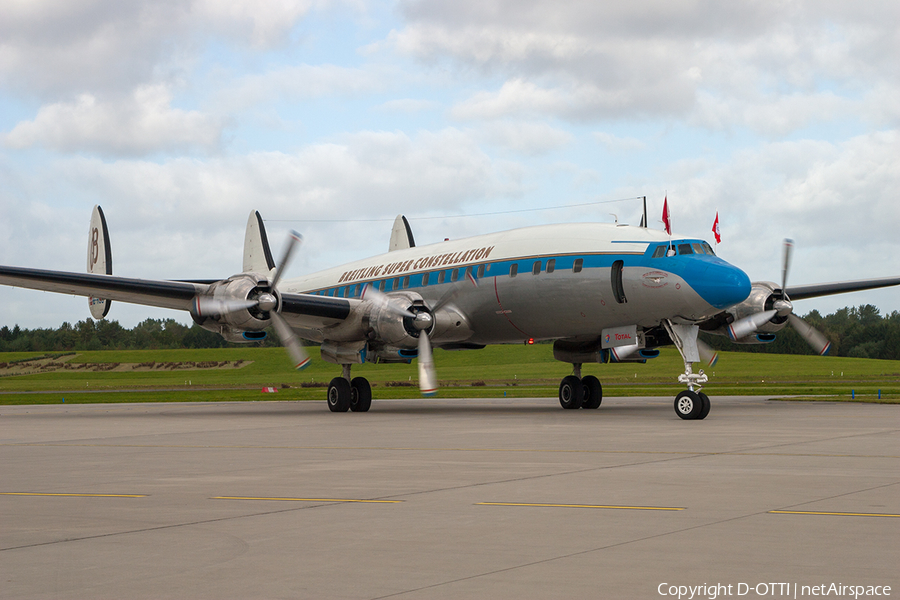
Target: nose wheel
(691, 405)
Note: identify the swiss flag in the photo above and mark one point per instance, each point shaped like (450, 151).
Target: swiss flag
(666, 220)
(715, 229)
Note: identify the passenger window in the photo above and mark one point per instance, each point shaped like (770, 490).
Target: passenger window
(406, 282)
(441, 276)
(659, 252)
(454, 274)
(536, 268)
(514, 269)
(480, 271)
(579, 264)
(425, 280)
(551, 265)
(684, 249)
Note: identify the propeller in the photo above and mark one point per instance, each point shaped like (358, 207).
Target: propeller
(266, 302)
(423, 322)
(782, 307)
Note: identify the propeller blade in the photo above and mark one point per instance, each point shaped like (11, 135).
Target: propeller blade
(427, 375)
(707, 354)
(815, 338)
(748, 325)
(382, 300)
(293, 241)
(786, 263)
(455, 291)
(206, 306)
(290, 341)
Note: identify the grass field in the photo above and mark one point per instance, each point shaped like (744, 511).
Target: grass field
(497, 371)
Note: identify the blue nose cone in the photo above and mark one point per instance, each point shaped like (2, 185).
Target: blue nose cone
(721, 284)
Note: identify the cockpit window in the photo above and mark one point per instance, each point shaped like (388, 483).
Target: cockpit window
(708, 249)
(698, 249)
(659, 252)
(684, 249)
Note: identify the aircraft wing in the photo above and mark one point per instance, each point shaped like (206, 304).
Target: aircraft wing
(165, 294)
(802, 292)
(178, 295)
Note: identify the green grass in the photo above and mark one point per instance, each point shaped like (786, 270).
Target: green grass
(514, 371)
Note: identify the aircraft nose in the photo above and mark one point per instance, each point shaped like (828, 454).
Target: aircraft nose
(722, 285)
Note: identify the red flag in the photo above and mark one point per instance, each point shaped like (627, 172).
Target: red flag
(666, 221)
(715, 229)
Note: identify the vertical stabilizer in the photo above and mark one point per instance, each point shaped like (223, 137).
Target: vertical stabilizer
(99, 259)
(401, 235)
(257, 256)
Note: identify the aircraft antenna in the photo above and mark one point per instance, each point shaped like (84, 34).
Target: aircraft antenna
(644, 219)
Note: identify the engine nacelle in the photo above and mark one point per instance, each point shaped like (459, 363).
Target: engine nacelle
(763, 296)
(233, 323)
(391, 329)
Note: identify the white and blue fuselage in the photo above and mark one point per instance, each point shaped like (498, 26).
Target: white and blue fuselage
(548, 282)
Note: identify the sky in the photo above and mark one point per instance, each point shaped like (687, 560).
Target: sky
(180, 117)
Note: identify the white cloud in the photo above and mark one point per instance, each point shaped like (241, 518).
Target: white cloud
(55, 46)
(615, 143)
(576, 60)
(140, 124)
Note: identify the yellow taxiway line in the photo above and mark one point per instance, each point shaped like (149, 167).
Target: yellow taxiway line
(74, 495)
(579, 506)
(308, 499)
(830, 514)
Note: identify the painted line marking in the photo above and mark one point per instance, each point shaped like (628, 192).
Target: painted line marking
(579, 506)
(830, 514)
(74, 495)
(358, 501)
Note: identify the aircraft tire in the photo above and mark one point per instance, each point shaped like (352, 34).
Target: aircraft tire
(571, 392)
(360, 394)
(706, 405)
(339, 394)
(593, 392)
(688, 405)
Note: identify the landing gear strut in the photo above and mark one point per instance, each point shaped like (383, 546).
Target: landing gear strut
(689, 404)
(576, 391)
(349, 394)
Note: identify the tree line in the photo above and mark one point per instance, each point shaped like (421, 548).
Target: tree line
(857, 332)
(860, 332)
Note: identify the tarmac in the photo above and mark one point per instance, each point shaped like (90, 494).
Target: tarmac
(432, 498)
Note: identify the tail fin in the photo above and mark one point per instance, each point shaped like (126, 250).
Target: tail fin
(257, 255)
(99, 259)
(401, 235)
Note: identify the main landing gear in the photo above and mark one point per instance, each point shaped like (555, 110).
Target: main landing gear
(576, 391)
(349, 394)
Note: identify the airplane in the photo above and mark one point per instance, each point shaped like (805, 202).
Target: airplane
(600, 292)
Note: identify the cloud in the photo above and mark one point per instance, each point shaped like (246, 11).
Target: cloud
(58, 47)
(615, 143)
(527, 138)
(603, 60)
(143, 123)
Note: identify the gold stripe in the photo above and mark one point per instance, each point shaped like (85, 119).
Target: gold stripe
(309, 499)
(74, 495)
(833, 514)
(579, 506)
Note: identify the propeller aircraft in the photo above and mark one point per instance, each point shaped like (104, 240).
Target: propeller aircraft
(601, 292)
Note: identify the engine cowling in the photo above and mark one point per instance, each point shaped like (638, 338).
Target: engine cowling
(388, 326)
(764, 296)
(234, 324)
